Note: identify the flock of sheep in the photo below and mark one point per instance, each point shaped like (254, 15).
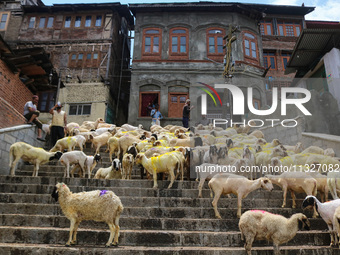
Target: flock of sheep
(235, 161)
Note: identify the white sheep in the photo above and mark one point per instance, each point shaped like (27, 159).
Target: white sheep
(92, 125)
(33, 155)
(81, 140)
(90, 164)
(128, 161)
(239, 185)
(129, 127)
(299, 182)
(336, 226)
(97, 205)
(79, 158)
(100, 140)
(326, 211)
(112, 172)
(262, 225)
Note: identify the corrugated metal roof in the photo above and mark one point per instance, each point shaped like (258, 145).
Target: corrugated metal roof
(311, 46)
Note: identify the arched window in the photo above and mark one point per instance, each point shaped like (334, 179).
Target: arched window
(215, 43)
(250, 48)
(152, 42)
(179, 43)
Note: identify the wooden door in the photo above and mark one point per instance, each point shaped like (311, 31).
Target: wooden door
(176, 104)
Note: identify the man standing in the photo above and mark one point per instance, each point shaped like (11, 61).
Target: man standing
(186, 113)
(31, 114)
(59, 123)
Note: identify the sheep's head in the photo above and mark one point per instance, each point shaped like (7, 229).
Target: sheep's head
(97, 157)
(139, 158)
(140, 126)
(309, 202)
(116, 164)
(304, 223)
(261, 141)
(222, 152)
(142, 137)
(152, 139)
(213, 151)
(157, 143)
(275, 162)
(266, 184)
(230, 143)
(258, 148)
(56, 155)
(59, 187)
(276, 142)
(298, 147)
(154, 135)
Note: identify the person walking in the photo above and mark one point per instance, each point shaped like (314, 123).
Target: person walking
(186, 113)
(156, 116)
(58, 126)
(31, 115)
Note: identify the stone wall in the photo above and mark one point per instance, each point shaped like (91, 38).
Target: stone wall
(286, 135)
(322, 140)
(8, 136)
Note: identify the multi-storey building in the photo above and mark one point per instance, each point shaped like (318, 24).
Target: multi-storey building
(89, 46)
(181, 45)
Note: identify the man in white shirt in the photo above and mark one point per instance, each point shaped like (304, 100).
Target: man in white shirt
(31, 114)
(59, 123)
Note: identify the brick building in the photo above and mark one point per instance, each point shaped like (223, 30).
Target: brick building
(22, 74)
(179, 45)
(88, 45)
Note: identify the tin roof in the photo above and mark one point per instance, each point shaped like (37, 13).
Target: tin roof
(221, 6)
(311, 46)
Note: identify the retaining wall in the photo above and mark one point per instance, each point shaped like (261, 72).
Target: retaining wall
(322, 140)
(8, 136)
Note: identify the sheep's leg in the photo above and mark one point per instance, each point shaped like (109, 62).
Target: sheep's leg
(214, 204)
(248, 244)
(115, 241)
(200, 186)
(330, 228)
(73, 222)
(75, 167)
(155, 185)
(276, 249)
(112, 233)
(293, 199)
(75, 229)
(172, 175)
(284, 188)
(13, 165)
(239, 205)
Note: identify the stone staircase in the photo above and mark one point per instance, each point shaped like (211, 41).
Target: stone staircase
(158, 221)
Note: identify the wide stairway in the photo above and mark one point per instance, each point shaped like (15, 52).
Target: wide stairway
(156, 222)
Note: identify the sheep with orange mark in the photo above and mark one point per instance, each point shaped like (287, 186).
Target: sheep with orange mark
(165, 163)
(62, 144)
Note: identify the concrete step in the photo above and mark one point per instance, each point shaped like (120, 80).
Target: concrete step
(119, 190)
(224, 202)
(44, 235)
(147, 212)
(56, 249)
(142, 223)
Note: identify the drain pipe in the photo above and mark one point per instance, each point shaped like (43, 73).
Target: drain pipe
(120, 76)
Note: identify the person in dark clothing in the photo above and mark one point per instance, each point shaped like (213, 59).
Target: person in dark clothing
(186, 113)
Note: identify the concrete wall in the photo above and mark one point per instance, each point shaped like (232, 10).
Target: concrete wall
(332, 66)
(322, 140)
(8, 136)
(96, 94)
(286, 135)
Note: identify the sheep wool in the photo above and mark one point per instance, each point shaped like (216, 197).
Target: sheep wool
(262, 225)
(102, 206)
